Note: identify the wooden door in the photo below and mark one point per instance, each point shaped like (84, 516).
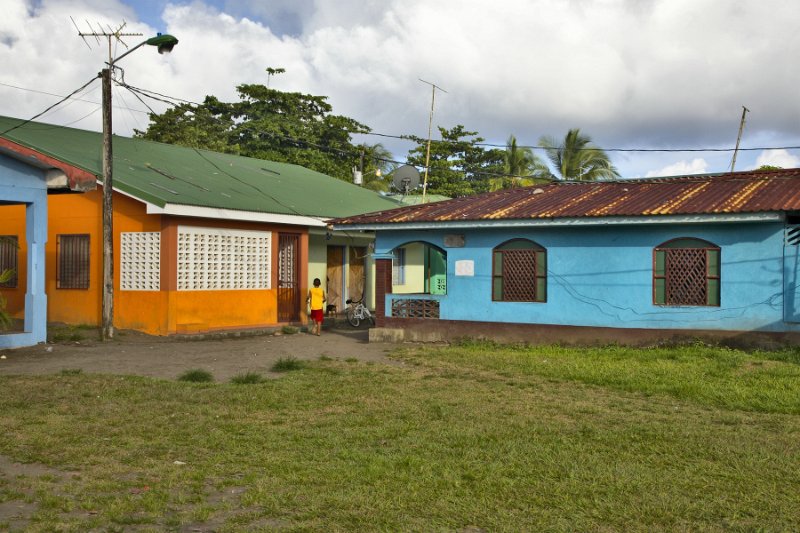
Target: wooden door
(334, 284)
(288, 277)
(357, 277)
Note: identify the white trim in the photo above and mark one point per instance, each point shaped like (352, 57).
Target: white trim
(233, 214)
(581, 221)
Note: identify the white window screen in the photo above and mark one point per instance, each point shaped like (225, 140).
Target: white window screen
(140, 261)
(399, 267)
(220, 259)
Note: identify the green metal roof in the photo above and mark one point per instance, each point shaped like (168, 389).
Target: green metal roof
(163, 174)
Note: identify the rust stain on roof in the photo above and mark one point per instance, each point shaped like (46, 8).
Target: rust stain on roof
(739, 192)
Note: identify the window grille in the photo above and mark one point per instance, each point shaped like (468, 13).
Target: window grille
(399, 267)
(223, 259)
(792, 234)
(519, 272)
(140, 261)
(73, 261)
(686, 272)
(9, 246)
(415, 308)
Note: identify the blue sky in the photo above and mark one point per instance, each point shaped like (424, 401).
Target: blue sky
(652, 74)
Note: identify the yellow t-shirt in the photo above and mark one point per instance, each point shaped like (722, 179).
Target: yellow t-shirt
(317, 295)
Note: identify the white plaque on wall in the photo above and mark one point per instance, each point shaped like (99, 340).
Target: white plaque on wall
(465, 267)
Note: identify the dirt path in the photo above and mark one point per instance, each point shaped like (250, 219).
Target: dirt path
(167, 357)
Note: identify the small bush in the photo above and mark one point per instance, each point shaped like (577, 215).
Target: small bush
(248, 378)
(197, 375)
(71, 371)
(289, 330)
(286, 364)
(351, 360)
(325, 358)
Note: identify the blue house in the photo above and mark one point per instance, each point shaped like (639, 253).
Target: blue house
(712, 256)
(26, 177)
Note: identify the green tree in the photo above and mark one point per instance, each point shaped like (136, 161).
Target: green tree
(377, 164)
(266, 123)
(193, 126)
(576, 158)
(458, 165)
(521, 168)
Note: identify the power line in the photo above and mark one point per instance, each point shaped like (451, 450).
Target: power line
(62, 96)
(70, 95)
(411, 138)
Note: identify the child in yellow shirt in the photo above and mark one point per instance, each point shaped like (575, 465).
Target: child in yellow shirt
(316, 299)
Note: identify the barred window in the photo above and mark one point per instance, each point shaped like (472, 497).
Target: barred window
(72, 257)
(519, 272)
(9, 245)
(686, 271)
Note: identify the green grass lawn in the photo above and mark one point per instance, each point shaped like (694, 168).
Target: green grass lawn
(466, 438)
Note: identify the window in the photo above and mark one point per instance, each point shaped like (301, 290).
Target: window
(73, 261)
(399, 266)
(9, 245)
(519, 272)
(223, 259)
(686, 272)
(140, 261)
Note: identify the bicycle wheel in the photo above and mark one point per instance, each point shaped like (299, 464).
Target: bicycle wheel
(352, 317)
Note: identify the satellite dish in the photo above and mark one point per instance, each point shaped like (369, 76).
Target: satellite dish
(405, 178)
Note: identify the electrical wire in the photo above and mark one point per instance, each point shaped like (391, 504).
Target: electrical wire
(70, 95)
(62, 96)
(411, 138)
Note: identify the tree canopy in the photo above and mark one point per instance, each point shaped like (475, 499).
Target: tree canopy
(458, 165)
(521, 168)
(300, 128)
(576, 158)
(266, 123)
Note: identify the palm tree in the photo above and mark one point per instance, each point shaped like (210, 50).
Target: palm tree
(378, 165)
(576, 158)
(522, 168)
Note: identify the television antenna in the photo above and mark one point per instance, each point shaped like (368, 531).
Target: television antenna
(430, 123)
(108, 33)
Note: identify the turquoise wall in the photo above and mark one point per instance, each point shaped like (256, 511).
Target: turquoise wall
(602, 276)
(23, 184)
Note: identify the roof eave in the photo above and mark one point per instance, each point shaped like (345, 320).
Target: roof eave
(78, 179)
(233, 214)
(566, 222)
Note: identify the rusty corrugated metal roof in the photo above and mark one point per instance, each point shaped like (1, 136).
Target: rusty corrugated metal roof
(739, 192)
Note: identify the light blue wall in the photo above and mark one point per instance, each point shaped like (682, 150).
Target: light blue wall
(602, 276)
(24, 184)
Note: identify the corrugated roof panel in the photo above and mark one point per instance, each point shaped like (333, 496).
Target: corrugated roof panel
(740, 192)
(162, 173)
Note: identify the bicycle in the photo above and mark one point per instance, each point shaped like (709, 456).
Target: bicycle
(357, 311)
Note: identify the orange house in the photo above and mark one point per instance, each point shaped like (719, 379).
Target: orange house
(202, 241)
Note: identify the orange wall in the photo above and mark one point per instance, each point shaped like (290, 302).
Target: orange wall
(13, 223)
(163, 312)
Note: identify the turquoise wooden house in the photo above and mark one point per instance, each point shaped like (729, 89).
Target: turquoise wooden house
(712, 256)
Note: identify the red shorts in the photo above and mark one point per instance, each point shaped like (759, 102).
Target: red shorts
(316, 315)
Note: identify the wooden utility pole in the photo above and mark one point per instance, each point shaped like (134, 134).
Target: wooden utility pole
(738, 138)
(108, 212)
(107, 319)
(430, 125)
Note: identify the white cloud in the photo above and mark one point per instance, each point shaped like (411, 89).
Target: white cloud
(681, 168)
(778, 158)
(632, 74)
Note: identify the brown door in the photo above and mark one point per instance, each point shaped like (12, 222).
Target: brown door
(334, 284)
(357, 277)
(288, 277)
